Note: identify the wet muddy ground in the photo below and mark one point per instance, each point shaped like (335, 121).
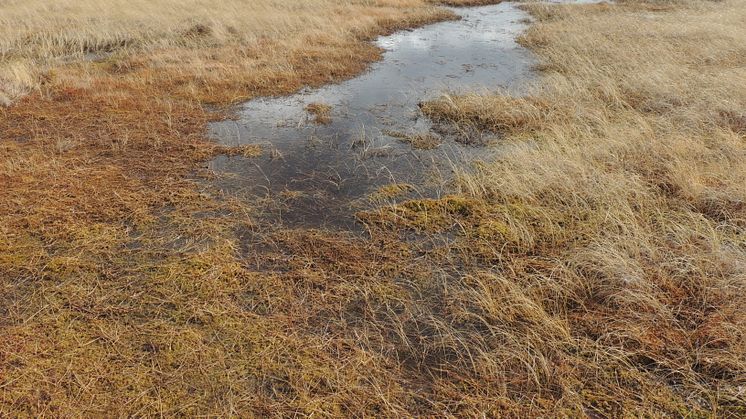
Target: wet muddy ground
(329, 151)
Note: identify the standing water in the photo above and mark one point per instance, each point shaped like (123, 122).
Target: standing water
(316, 174)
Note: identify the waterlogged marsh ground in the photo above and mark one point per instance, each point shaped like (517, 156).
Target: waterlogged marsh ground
(593, 268)
(373, 133)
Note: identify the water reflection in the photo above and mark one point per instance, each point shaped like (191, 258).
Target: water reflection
(326, 169)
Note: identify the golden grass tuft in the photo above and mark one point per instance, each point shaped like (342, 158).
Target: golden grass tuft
(321, 113)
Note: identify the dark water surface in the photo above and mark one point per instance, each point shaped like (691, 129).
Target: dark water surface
(316, 175)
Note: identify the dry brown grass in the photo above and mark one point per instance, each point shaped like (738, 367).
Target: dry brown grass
(218, 52)
(596, 268)
(626, 190)
(321, 113)
(418, 141)
(124, 290)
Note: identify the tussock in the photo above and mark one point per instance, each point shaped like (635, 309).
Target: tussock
(321, 113)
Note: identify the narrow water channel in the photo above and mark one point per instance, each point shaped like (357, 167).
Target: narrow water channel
(317, 174)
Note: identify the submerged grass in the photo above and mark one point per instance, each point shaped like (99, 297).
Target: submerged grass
(418, 141)
(595, 268)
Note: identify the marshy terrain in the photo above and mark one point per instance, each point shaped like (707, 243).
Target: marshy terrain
(568, 242)
(329, 149)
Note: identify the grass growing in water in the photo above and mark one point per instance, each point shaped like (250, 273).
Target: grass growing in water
(321, 113)
(418, 141)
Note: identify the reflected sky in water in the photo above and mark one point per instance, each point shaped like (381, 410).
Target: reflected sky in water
(333, 165)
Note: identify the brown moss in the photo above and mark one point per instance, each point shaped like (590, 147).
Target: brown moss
(391, 191)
